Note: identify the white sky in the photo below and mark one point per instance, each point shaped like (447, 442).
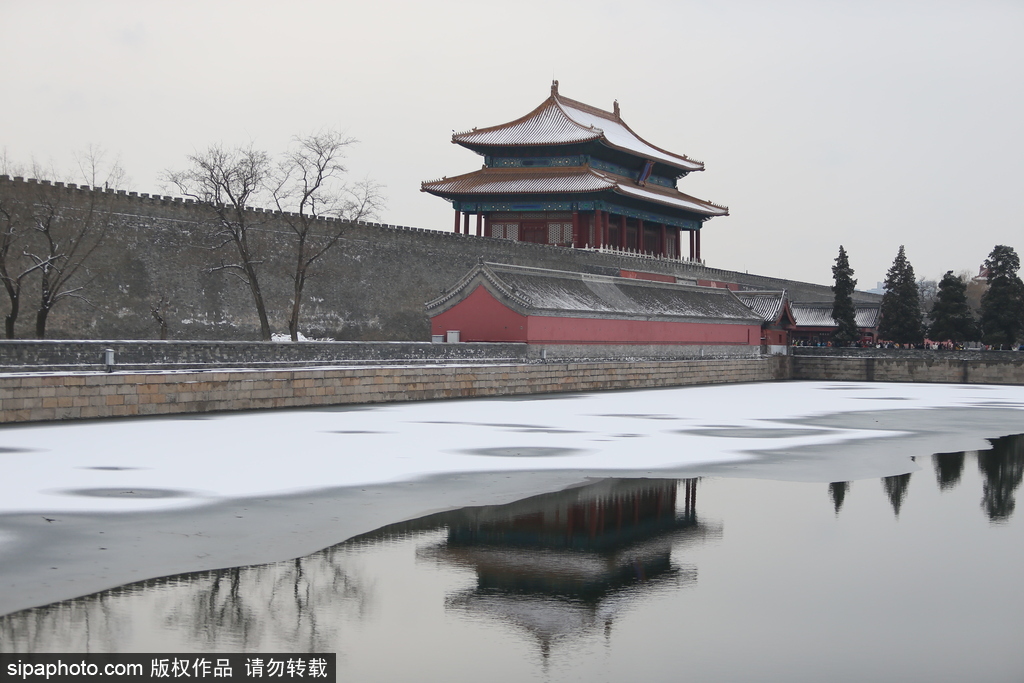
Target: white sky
(869, 123)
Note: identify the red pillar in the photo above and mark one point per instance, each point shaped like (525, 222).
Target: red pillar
(479, 224)
(641, 243)
(697, 241)
(575, 228)
(487, 225)
(662, 242)
(465, 222)
(598, 230)
(691, 244)
(622, 233)
(457, 221)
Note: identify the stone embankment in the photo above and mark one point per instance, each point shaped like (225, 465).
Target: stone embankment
(902, 365)
(34, 397)
(225, 376)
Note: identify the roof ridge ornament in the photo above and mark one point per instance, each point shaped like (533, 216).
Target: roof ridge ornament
(554, 88)
(615, 110)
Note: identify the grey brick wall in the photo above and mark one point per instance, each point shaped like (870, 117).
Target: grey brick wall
(41, 397)
(373, 286)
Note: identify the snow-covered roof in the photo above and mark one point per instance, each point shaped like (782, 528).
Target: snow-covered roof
(576, 179)
(768, 305)
(522, 181)
(538, 291)
(820, 315)
(560, 121)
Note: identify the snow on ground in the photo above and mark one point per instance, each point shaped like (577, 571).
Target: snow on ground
(160, 463)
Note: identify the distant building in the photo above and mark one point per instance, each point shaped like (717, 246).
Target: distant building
(580, 314)
(774, 309)
(573, 175)
(813, 322)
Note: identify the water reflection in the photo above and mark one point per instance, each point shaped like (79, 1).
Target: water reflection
(1003, 467)
(236, 609)
(948, 468)
(561, 565)
(896, 489)
(596, 563)
(555, 563)
(837, 492)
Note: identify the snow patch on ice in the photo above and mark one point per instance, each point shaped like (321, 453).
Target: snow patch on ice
(273, 452)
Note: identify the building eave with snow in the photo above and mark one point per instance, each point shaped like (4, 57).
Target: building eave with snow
(585, 315)
(813, 321)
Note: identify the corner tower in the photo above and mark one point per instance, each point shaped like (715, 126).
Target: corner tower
(573, 175)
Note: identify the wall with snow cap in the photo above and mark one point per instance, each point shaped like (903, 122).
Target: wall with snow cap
(159, 254)
(51, 355)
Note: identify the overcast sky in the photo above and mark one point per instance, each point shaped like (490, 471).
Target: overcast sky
(868, 124)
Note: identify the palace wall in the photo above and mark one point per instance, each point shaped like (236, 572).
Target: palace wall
(158, 252)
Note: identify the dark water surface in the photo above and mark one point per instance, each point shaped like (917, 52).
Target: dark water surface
(916, 577)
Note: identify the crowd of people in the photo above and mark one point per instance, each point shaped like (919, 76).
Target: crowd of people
(925, 345)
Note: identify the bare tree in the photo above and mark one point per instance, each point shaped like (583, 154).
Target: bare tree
(66, 238)
(309, 186)
(96, 168)
(157, 311)
(928, 292)
(976, 288)
(228, 180)
(15, 266)
(8, 166)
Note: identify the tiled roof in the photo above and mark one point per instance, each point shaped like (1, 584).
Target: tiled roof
(538, 291)
(560, 120)
(768, 305)
(577, 179)
(522, 181)
(820, 315)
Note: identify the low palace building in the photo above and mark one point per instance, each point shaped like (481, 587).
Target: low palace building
(581, 314)
(774, 309)
(573, 175)
(814, 324)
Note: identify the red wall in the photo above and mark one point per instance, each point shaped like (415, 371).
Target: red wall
(548, 330)
(720, 285)
(639, 275)
(481, 317)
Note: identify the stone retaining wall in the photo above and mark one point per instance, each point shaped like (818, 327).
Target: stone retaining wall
(39, 397)
(920, 354)
(1005, 368)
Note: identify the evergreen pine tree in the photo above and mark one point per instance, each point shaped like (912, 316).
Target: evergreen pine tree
(951, 314)
(901, 304)
(1002, 306)
(843, 311)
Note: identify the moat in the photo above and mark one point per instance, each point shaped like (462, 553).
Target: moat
(713, 566)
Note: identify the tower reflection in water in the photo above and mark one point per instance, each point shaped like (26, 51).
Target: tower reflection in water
(566, 563)
(555, 564)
